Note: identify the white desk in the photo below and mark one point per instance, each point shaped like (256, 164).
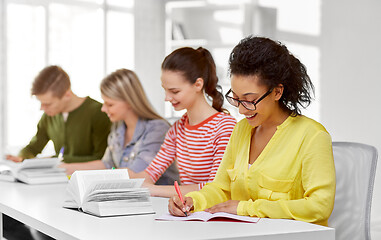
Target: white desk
(39, 206)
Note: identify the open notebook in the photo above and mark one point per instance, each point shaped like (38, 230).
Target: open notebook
(206, 216)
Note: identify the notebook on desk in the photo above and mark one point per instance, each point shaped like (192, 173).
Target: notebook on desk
(206, 216)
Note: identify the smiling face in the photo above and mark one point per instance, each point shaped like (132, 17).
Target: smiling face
(116, 110)
(248, 88)
(178, 91)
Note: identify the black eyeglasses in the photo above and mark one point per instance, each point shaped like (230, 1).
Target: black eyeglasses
(249, 105)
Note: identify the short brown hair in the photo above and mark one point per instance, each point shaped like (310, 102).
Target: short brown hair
(51, 78)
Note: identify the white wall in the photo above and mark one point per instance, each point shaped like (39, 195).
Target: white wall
(150, 48)
(351, 79)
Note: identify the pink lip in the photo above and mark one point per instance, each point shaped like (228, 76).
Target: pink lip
(175, 104)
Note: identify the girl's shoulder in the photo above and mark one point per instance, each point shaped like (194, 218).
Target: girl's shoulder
(302, 126)
(181, 121)
(153, 126)
(222, 122)
(307, 123)
(223, 118)
(226, 116)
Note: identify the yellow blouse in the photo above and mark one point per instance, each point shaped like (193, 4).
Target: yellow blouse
(293, 177)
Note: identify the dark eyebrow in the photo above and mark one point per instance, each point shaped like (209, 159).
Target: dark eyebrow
(245, 94)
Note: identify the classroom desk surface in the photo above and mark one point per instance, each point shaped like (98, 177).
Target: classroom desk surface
(39, 206)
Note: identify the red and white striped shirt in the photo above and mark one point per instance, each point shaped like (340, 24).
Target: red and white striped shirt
(198, 149)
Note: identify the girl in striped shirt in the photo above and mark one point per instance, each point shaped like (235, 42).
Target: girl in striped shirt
(197, 141)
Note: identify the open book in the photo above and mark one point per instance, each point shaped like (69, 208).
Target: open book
(107, 193)
(206, 216)
(33, 171)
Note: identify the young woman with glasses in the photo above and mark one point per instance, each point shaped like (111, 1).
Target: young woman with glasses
(197, 141)
(278, 163)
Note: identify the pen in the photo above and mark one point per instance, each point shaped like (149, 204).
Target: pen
(60, 155)
(177, 188)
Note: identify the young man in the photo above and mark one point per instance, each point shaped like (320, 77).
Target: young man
(76, 124)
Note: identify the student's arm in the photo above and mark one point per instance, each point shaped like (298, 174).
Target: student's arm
(213, 193)
(318, 179)
(38, 142)
(92, 165)
(217, 191)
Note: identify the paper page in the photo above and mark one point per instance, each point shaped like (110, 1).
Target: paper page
(37, 163)
(74, 189)
(109, 185)
(128, 195)
(219, 215)
(81, 180)
(46, 172)
(200, 216)
(121, 194)
(206, 216)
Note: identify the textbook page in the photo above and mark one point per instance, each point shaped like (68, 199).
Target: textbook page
(107, 193)
(206, 216)
(110, 189)
(33, 163)
(82, 180)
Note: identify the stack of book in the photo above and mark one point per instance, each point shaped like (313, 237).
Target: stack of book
(33, 171)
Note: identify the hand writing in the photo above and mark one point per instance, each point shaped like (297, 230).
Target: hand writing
(177, 208)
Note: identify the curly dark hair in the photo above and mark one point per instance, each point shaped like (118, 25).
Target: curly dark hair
(273, 64)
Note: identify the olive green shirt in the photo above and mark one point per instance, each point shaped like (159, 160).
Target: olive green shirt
(83, 135)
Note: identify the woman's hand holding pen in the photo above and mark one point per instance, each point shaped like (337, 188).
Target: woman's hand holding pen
(177, 208)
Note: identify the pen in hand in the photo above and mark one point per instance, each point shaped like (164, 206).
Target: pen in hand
(177, 188)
